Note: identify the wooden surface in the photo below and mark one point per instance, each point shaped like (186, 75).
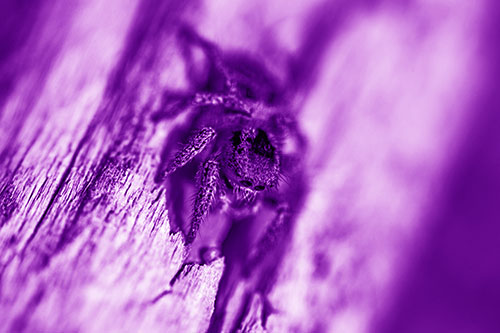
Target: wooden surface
(85, 242)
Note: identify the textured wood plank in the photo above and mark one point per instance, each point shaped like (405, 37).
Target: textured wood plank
(85, 229)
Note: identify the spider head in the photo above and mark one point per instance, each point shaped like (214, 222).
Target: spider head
(252, 160)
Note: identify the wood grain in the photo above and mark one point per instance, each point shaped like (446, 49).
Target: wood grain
(85, 239)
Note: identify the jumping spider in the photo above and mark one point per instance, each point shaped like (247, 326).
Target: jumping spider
(243, 140)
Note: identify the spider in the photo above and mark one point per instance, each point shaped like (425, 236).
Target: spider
(240, 156)
(239, 133)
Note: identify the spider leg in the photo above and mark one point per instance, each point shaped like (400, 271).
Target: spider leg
(212, 52)
(270, 239)
(196, 144)
(172, 104)
(209, 177)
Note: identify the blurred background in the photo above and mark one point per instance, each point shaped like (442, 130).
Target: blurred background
(400, 231)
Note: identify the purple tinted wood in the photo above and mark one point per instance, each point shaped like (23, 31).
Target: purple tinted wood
(358, 167)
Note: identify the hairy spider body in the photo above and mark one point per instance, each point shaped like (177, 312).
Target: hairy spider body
(240, 156)
(236, 131)
(243, 162)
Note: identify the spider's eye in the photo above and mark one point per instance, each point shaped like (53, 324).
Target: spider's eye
(262, 146)
(246, 183)
(259, 188)
(236, 139)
